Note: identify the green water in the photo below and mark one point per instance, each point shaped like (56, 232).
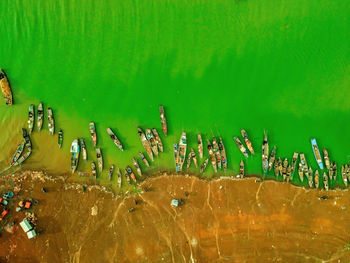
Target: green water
(217, 66)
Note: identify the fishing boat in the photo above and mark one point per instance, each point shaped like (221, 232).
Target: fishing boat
(175, 148)
(325, 181)
(344, 176)
(189, 158)
(152, 140)
(163, 120)
(334, 171)
(24, 157)
(223, 154)
(317, 179)
(83, 149)
(19, 150)
(326, 159)
(241, 169)
(146, 144)
(60, 138)
(5, 88)
(240, 146)
(119, 178)
(200, 145)
(93, 134)
(265, 154)
(27, 144)
(194, 158)
(50, 121)
(284, 168)
(301, 172)
(99, 159)
(331, 171)
(137, 167)
(126, 176)
(289, 173)
(212, 156)
(115, 139)
(280, 165)
(182, 150)
(275, 169)
(217, 152)
(110, 172)
(93, 169)
(130, 173)
(294, 161)
(40, 118)
(310, 178)
(204, 165)
(272, 157)
(347, 171)
(158, 140)
(75, 150)
(317, 153)
(247, 141)
(31, 118)
(143, 158)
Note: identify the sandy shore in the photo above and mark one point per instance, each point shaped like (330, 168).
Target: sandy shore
(223, 220)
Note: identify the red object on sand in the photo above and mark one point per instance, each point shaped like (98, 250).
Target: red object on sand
(4, 213)
(28, 204)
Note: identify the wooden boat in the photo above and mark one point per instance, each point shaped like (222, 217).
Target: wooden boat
(344, 176)
(194, 158)
(272, 157)
(130, 173)
(5, 88)
(60, 138)
(325, 181)
(182, 150)
(119, 178)
(334, 171)
(301, 172)
(163, 120)
(115, 139)
(127, 176)
(347, 171)
(93, 169)
(110, 172)
(204, 165)
(310, 178)
(303, 160)
(50, 121)
(217, 152)
(189, 158)
(284, 168)
(212, 156)
(280, 165)
(223, 154)
(247, 141)
(200, 145)
(31, 118)
(158, 140)
(99, 159)
(27, 144)
(317, 179)
(24, 157)
(241, 169)
(317, 153)
(330, 171)
(83, 149)
(326, 159)
(137, 167)
(289, 173)
(143, 158)
(275, 169)
(240, 146)
(152, 140)
(146, 144)
(176, 152)
(19, 150)
(294, 161)
(75, 150)
(40, 118)
(265, 155)
(93, 134)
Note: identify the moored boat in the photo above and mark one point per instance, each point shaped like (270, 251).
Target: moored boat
(317, 179)
(126, 174)
(31, 118)
(265, 155)
(343, 175)
(152, 140)
(280, 165)
(212, 156)
(110, 172)
(99, 159)
(240, 146)
(317, 153)
(330, 171)
(19, 150)
(182, 150)
(119, 178)
(200, 145)
(301, 172)
(5, 88)
(93, 169)
(130, 173)
(247, 141)
(272, 157)
(158, 140)
(40, 116)
(194, 158)
(27, 144)
(176, 151)
(204, 165)
(217, 152)
(223, 154)
(241, 169)
(294, 161)
(163, 120)
(83, 149)
(146, 144)
(347, 171)
(189, 158)
(289, 173)
(284, 168)
(92, 129)
(137, 167)
(334, 171)
(326, 159)
(115, 139)
(310, 178)
(275, 169)
(50, 121)
(143, 158)
(75, 150)
(60, 138)
(325, 181)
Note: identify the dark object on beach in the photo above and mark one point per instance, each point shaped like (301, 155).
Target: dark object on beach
(324, 197)
(44, 190)
(131, 210)
(186, 194)
(35, 202)
(136, 202)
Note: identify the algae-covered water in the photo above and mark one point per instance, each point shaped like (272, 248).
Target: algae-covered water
(217, 66)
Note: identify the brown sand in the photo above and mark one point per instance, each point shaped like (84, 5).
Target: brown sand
(224, 220)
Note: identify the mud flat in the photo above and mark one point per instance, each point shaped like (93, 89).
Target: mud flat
(223, 220)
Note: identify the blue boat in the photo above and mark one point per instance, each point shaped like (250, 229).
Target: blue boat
(317, 153)
(176, 156)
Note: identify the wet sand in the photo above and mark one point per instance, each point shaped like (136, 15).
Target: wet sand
(224, 220)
